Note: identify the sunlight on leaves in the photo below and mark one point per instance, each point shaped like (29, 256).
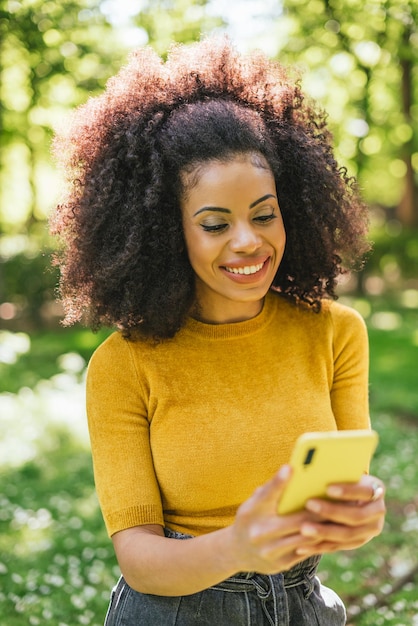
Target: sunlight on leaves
(386, 320)
(58, 402)
(12, 345)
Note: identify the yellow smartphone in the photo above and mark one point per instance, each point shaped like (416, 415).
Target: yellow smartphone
(322, 459)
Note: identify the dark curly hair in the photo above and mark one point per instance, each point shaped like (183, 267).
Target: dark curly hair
(124, 261)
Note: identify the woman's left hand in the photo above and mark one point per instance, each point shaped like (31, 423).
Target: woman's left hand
(354, 514)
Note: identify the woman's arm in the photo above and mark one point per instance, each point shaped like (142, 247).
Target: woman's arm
(259, 540)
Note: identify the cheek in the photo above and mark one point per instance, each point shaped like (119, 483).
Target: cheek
(199, 248)
(201, 257)
(280, 236)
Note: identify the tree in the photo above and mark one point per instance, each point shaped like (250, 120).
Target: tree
(53, 55)
(181, 21)
(363, 65)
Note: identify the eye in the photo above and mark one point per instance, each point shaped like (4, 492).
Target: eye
(264, 219)
(214, 228)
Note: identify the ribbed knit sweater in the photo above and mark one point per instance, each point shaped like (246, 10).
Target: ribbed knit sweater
(183, 431)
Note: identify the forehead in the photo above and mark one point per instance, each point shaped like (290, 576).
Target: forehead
(215, 174)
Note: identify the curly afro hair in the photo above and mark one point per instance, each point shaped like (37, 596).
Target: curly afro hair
(123, 260)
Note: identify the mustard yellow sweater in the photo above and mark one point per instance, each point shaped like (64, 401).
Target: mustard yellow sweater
(183, 432)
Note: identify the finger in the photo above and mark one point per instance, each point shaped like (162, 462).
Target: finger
(274, 527)
(368, 489)
(287, 546)
(274, 487)
(337, 537)
(270, 492)
(374, 487)
(352, 514)
(320, 548)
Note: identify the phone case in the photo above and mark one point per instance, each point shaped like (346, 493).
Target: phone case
(321, 459)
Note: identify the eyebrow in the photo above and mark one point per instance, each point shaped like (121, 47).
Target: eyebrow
(223, 210)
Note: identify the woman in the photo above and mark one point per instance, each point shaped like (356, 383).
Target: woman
(208, 222)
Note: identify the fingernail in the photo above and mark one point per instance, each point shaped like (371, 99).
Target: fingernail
(313, 505)
(334, 492)
(284, 472)
(308, 531)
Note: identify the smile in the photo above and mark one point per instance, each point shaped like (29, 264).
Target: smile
(247, 269)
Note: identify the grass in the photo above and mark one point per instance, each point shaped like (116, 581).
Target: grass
(363, 576)
(56, 563)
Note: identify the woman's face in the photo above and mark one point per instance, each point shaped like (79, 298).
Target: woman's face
(234, 234)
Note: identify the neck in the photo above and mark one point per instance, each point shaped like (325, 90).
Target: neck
(236, 314)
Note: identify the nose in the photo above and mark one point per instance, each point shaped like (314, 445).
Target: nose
(245, 238)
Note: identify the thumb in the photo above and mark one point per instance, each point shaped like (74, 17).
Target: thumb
(265, 498)
(277, 484)
(271, 491)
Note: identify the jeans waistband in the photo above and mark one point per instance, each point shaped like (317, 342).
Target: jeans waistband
(302, 573)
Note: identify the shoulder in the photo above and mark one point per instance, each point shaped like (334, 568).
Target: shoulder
(115, 354)
(111, 348)
(333, 317)
(116, 344)
(118, 356)
(343, 316)
(349, 331)
(332, 311)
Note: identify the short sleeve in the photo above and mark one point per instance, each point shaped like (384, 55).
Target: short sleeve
(124, 475)
(349, 392)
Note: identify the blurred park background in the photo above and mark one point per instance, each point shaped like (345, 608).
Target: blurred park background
(360, 61)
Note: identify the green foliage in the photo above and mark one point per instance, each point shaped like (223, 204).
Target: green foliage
(365, 577)
(53, 55)
(361, 62)
(392, 327)
(394, 360)
(31, 281)
(27, 360)
(395, 252)
(57, 564)
(180, 21)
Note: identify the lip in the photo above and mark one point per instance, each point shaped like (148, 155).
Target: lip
(247, 278)
(246, 262)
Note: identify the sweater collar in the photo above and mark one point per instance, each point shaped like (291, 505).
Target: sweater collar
(236, 329)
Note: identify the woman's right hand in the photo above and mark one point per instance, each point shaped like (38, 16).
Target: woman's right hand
(259, 540)
(264, 541)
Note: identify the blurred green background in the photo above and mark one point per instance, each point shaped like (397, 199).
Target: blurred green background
(359, 60)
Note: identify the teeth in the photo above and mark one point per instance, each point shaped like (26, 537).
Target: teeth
(248, 269)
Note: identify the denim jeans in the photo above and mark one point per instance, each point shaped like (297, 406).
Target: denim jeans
(294, 598)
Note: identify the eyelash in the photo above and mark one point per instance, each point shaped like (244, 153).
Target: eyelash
(218, 228)
(266, 218)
